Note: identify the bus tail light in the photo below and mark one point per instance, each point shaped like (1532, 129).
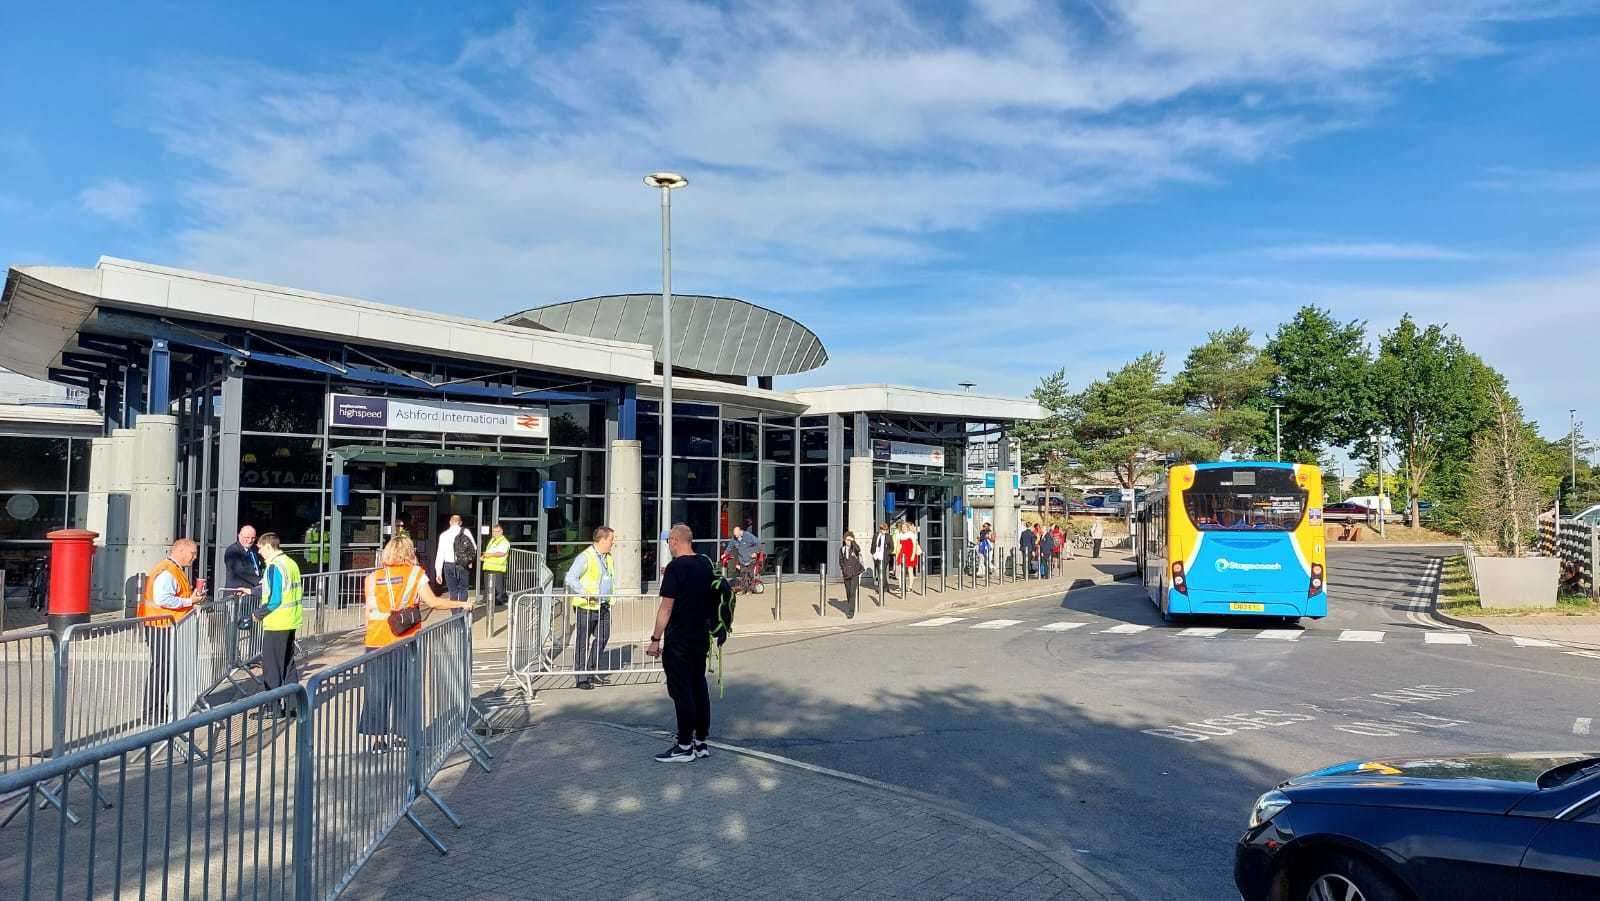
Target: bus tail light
(1179, 583)
(1316, 580)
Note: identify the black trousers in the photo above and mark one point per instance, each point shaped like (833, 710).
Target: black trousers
(158, 684)
(852, 588)
(385, 709)
(277, 657)
(456, 580)
(1097, 542)
(686, 685)
(594, 630)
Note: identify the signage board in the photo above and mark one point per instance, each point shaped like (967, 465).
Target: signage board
(437, 416)
(886, 451)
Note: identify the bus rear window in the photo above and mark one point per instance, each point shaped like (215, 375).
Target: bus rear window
(1244, 500)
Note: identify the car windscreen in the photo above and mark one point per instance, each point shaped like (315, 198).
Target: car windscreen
(1245, 499)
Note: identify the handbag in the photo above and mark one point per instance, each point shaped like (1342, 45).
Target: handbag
(850, 566)
(411, 615)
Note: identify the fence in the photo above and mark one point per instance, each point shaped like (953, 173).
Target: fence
(266, 806)
(551, 639)
(1577, 543)
(27, 697)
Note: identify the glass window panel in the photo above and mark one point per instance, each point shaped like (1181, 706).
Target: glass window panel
(780, 553)
(777, 521)
(813, 445)
(739, 513)
(777, 421)
(289, 513)
(472, 478)
(578, 425)
(276, 406)
(694, 478)
(682, 409)
(277, 461)
(650, 476)
(28, 517)
(694, 437)
(30, 463)
(361, 531)
(740, 440)
(575, 518)
(649, 430)
(813, 554)
(779, 446)
(813, 521)
(364, 503)
(813, 483)
(583, 472)
(561, 557)
(813, 421)
(777, 482)
(519, 506)
(367, 476)
(79, 469)
(849, 437)
(741, 480)
(411, 477)
(700, 516)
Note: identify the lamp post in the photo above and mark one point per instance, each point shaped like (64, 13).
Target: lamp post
(1277, 430)
(1383, 531)
(667, 182)
(1572, 439)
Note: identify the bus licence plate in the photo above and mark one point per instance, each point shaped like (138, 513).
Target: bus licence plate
(1247, 608)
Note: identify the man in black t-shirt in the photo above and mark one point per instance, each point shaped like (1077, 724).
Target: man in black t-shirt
(683, 621)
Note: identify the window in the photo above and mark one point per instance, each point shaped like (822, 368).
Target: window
(694, 478)
(276, 461)
(777, 521)
(813, 554)
(1245, 499)
(32, 463)
(289, 513)
(813, 521)
(29, 517)
(813, 483)
(583, 472)
(694, 437)
(740, 480)
(740, 440)
(283, 407)
(813, 445)
(777, 483)
(779, 446)
(578, 425)
(574, 518)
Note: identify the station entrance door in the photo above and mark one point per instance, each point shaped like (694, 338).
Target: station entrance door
(925, 501)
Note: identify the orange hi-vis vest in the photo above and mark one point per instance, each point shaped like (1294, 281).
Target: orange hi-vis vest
(389, 589)
(147, 601)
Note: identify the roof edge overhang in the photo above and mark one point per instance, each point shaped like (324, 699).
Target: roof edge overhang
(918, 402)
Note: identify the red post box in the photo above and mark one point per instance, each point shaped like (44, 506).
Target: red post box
(71, 556)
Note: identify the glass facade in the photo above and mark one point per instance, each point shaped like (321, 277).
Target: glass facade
(734, 465)
(44, 486)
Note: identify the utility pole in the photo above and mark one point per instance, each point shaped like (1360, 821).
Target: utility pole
(1377, 439)
(1572, 419)
(667, 182)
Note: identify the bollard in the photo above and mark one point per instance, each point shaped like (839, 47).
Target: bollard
(822, 587)
(777, 595)
(71, 556)
(922, 565)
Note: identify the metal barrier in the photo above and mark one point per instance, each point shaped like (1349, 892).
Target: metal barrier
(27, 697)
(550, 638)
(286, 795)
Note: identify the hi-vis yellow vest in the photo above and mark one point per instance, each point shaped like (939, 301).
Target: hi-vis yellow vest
(501, 545)
(289, 614)
(590, 582)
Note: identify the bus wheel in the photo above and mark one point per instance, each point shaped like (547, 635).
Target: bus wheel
(1166, 614)
(1290, 620)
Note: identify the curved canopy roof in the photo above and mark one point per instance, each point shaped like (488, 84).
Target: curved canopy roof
(715, 335)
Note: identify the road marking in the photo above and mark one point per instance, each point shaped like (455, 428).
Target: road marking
(939, 621)
(1521, 642)
(1281, 634)
(1202, 632)
(1446, 638)
(1580, 726)
(1124, 629)
(1589, 654)
(1060, 627)
(1358, 635)
(996, 624)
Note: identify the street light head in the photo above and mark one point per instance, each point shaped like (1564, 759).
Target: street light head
(668, 180)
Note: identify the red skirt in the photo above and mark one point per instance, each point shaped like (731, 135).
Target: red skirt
(907, 556)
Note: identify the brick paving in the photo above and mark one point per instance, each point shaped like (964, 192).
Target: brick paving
(579, 811)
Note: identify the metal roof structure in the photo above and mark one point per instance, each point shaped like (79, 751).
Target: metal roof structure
(713, 335)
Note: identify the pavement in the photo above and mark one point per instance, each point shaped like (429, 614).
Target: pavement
(580, 810)
(1573, 631)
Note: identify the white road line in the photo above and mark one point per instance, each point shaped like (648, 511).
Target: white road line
(1281, 634)
(1580, 726)
(1446, 638)
(1521, 642)
(996, 624)
(1358, 635)
(1124, 629)
(939, 621)
(1060, 627)
(1202, 632)
(1590, 654)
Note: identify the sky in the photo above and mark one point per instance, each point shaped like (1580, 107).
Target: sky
(945, 192)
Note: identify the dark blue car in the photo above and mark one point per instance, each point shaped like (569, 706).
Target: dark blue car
(1491, 826)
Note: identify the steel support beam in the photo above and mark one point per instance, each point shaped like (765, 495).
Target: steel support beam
(159, 394)
(227, 463)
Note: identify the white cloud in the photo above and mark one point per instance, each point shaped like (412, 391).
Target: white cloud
(114, 200)
(1375, 251)
(1561, 181)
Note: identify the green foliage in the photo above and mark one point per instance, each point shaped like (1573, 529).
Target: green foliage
(1049, 446)
(1321, 381)
(1500, 501)
(1129, 419)
(1223, 386)
(1432, 396)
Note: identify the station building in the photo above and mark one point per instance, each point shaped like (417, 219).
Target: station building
(208, 402)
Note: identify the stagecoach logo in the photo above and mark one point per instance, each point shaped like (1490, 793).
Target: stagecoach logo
(1224, 564)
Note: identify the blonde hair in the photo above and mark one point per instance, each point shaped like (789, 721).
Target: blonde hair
(400, 551)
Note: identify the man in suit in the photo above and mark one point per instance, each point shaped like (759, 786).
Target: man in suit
(242, 569)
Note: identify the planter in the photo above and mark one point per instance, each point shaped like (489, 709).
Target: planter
(1510, 582)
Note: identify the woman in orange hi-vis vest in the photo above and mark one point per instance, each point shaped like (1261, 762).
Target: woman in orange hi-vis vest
(398, 583)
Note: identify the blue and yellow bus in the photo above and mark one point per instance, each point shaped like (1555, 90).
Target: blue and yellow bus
(1242, 539)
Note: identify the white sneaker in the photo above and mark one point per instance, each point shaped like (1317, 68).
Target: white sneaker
(701, 751)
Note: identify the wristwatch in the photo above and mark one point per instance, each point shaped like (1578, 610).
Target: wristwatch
(654, 638)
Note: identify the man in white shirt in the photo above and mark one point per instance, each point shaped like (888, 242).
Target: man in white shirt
(453, 571)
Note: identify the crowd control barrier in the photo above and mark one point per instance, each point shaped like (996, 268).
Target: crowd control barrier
(550, 638)
(27, 692)
(286, 795)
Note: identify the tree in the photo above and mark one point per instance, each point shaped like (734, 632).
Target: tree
(1431, 394)
(1320, 382)
(1503, 501)
(1128, 421)
(1223, 384)
(1049, 447)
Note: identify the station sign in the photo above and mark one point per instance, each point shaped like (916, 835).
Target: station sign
(357, 411)
(886, 451)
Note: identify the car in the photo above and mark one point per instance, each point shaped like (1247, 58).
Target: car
(1491, 826)
(1590, 515)
(1345, 510)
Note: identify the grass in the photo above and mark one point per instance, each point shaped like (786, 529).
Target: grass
(1458, 598)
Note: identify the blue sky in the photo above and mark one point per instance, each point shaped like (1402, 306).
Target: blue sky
(945, 192)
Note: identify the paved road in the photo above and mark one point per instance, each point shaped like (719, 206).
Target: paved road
(1136, 746)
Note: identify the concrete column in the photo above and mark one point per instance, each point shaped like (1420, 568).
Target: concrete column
(101, 593)
(119, 521)
(1006, 518)
(227, 463)
(861, 501)
(836, 490)
(153, 512)
(626, 504)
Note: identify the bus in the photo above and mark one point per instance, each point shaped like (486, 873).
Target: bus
(1240, 539)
